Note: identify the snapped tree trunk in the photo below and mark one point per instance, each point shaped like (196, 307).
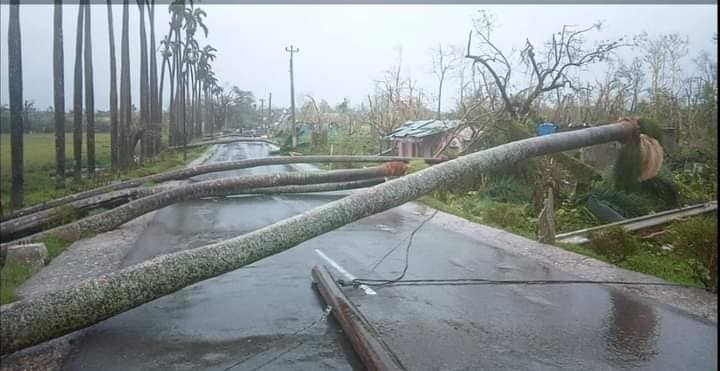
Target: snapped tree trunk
(43, 317)
(189, 172)
(46, 219)
(114, 218)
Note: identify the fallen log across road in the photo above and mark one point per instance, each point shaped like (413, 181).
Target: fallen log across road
(21, 227)
(189, 172)
(114, 218)
(40, 318)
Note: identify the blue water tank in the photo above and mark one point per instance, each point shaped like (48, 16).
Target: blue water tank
(545, 128)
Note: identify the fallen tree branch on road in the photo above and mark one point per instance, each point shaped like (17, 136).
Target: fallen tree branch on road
(37, 319)
(190, 172)
(114, 218)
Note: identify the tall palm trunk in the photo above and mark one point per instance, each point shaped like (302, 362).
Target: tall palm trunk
(125, 98)
(59, 96)
(114, 140)
(172, 118)
(160, 98)
(155, 107)
(144, 97)
(89, 95)
(16, 104)
(77, 97)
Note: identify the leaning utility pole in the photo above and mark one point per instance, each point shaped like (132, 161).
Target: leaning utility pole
(290, 49)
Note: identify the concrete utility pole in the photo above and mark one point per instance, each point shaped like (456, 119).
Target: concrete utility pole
(262, 113)
(270, 115)
(292, 50)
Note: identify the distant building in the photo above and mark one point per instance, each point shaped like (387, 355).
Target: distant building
(424, 138)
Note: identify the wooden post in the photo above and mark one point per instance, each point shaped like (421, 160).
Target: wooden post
(373, 352)
(546, 219)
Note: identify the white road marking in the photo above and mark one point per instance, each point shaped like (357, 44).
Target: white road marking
(350, 277)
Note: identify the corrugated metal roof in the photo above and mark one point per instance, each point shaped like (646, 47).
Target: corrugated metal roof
(422, 128)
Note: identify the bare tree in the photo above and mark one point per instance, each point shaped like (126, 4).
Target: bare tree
(550, 68)
(442, 63)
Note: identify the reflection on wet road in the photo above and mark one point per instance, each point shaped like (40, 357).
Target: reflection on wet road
(266, 315)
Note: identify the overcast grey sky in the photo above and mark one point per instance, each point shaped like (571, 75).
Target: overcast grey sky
(343, 48)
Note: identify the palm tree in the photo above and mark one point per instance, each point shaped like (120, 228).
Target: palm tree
(125, 97)
(144, 85)
(114, 142)
(16, 105)
(89, 95)
(59, 96)
(155, 106)
(166, 52)
(77, 97)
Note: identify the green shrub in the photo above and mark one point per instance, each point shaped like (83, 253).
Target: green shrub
(508, 216)
(614, 243)
(507, 189)
(696, 239)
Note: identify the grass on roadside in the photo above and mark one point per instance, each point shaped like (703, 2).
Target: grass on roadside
(39, 167)
(648, 257)
(12, 275)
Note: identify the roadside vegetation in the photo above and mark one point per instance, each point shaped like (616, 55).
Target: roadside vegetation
(40, 168)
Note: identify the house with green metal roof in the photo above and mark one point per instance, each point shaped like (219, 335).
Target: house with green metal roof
(424, 138)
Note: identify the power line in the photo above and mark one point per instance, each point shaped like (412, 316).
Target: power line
(399, 281)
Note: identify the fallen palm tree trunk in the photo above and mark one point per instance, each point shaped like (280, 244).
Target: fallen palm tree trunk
(24, 226)
(315, 188)
(114, 218)
(37, 319)
(189, 172)
(44, 219)
(223, 141)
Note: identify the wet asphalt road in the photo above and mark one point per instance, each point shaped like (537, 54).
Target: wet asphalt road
(267, 316)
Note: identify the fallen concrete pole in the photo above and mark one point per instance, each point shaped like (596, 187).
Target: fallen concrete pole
(37, 319)
(189, 172)
(365, 340)
(114, 218)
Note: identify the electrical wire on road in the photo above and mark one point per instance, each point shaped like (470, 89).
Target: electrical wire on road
(399, 281)
(287, 350)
